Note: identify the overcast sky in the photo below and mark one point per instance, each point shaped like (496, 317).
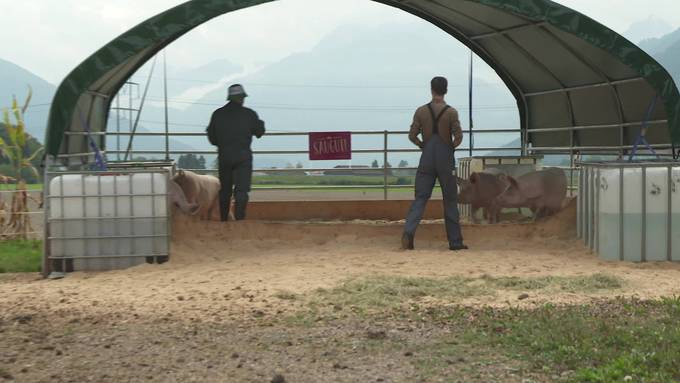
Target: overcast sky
(51, 37)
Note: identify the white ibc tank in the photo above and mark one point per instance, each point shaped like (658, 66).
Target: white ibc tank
(103, 220)
(645, 217)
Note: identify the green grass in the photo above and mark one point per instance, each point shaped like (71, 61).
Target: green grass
(583, 284)
(607, 341)
(604, 341)
(20, 256)
(303, 180)
(29, 187)
(390, 292)
(380, 293)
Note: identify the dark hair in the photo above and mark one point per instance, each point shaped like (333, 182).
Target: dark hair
(439, 85)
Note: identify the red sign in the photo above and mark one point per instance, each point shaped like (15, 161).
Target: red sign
(330, 146)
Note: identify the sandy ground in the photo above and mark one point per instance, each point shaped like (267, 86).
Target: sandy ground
(228, 274)
(250, 261)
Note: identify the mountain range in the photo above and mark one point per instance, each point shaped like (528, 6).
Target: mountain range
(15, 81)
(359, 78)
(667, 51)
(650, 28)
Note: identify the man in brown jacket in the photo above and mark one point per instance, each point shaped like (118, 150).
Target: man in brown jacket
(441, 134)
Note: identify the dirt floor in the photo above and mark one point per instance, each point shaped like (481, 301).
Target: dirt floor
(215, 311)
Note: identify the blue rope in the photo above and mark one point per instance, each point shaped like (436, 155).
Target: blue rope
(100, 162)
(641, 140)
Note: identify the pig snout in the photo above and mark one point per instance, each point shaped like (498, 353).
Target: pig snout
(186, 207)
(179, 200)
(466, 194)
(465, 191)
(193, 208)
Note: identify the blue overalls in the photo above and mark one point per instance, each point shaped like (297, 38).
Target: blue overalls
(436, 162)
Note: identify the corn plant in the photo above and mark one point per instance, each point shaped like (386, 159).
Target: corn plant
(15, 151)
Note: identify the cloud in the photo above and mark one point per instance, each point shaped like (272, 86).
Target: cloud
(620, 14)
(51, 37)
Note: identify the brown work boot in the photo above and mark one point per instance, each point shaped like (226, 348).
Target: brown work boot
(407, 241)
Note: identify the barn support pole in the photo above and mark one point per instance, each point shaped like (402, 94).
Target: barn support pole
(470, 85)
(165, 98)
(385, 133)
(46, 268)
(139, 112)
(572, 163)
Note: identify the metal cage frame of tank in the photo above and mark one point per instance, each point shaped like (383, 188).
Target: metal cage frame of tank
(588, 209)
(64, 264)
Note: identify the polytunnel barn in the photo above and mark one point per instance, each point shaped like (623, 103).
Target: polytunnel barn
(579, 86)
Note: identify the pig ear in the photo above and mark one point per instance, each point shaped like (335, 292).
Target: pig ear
(474, 177)
(512, 181)
(180, 173)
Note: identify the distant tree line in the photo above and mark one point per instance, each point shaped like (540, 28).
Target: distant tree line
(191, 161)
(402, 164)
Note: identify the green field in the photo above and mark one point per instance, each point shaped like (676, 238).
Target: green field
(29, 187)
(20, 256)
(303, 180)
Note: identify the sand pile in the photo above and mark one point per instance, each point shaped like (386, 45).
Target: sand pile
(195, 240)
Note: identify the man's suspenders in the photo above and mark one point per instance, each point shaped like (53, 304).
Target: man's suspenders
(435, 120)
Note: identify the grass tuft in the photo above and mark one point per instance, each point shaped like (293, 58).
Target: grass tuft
(20, 256)
(581, 284)
(286, 295)
(391, 292)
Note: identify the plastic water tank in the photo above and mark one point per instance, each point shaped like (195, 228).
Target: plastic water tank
(104, 221)
(645, 218)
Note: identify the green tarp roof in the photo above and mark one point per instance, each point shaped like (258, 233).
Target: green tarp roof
(565, 70)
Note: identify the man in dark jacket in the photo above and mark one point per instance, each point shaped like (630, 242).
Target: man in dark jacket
(231, 129)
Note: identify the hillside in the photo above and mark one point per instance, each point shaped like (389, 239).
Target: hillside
(15, 80)
(650, 28)
(670, 59)
(666, 50)
(659, 45)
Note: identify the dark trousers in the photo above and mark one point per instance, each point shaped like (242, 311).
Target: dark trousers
(436, 162)
(236, 178)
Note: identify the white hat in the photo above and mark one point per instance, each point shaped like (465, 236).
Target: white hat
(237, 90)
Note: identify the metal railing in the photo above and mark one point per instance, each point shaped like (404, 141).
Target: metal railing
(573, 151)
(385, 170)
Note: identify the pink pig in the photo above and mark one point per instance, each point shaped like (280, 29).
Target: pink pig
(542, 191)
